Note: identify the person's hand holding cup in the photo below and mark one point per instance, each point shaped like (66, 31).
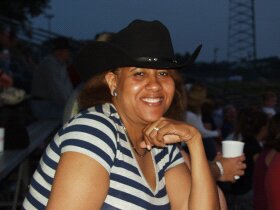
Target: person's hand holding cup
(231, 148)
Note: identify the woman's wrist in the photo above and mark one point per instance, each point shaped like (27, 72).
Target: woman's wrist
(193, 141)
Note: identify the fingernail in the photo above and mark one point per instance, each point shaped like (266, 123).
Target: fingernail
(149, 147)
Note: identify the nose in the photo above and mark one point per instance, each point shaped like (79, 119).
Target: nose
(153, 83)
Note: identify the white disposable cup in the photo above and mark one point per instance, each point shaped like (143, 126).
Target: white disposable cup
(2, 137)
(231, 148)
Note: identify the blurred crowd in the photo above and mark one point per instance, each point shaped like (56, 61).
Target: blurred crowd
(258, 127)
(50, 83)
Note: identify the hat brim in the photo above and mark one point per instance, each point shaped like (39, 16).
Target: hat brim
(98, 57)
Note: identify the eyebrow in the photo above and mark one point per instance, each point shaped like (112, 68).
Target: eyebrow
(133, 68)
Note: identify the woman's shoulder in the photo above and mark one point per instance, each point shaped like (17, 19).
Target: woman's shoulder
(101, 118)
(103, 112)
(92, 132)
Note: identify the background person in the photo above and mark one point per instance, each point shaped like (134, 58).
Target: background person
(122, 152)
(266, 185)
(230, 166)
(6, 81)
(251, 128)
(51, 85)
(269, 102)
(12, 63)
(72, 107)
(229, 120)
(197, 96)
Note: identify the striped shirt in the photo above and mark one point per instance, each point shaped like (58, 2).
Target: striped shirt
(98, 133)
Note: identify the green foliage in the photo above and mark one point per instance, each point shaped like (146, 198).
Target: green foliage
(22, 10)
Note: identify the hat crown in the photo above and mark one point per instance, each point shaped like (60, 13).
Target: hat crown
(145, 39)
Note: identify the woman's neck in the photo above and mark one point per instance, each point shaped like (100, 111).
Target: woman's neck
(135, 132)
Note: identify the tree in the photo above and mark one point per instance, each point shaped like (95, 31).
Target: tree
(22, 10)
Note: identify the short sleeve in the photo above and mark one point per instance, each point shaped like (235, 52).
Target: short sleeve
(175, 157)
(94, 135)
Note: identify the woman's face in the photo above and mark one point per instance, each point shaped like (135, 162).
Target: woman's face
(143, 95)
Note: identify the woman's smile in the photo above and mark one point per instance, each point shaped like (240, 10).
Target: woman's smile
(152, 101)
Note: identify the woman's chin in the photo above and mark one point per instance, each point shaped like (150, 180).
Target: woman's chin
(152, 118)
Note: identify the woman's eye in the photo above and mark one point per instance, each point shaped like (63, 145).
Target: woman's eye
(163, 73)
(139, 73)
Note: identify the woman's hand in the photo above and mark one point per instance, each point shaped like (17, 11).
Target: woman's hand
(168, 131)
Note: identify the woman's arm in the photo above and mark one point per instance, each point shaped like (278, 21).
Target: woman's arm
(222, 199)
(203, 193)
(197, 191)
(80, 183)
(178, 185)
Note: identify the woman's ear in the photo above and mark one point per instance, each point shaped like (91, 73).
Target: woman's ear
(111, 80)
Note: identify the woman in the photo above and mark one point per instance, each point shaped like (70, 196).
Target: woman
(121, 153)
(251, 128)
(266, 174)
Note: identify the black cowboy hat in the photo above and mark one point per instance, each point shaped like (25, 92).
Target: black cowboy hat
(141, 44)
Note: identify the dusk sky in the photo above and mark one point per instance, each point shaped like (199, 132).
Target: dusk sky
(190, 22)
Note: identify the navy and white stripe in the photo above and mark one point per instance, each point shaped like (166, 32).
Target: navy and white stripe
(98, 133)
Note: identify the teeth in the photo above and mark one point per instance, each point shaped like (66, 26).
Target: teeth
(152, 100)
